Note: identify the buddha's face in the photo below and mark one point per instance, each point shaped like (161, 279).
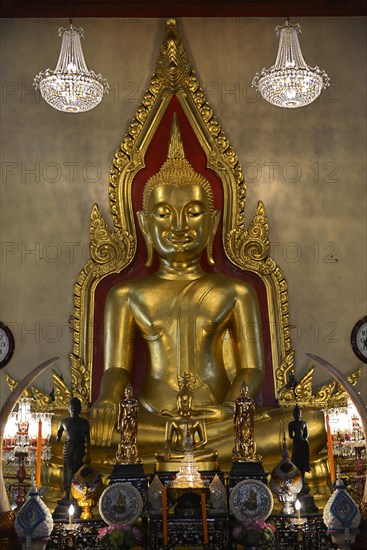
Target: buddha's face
(74, 407)
(184, 404)
(179, 221)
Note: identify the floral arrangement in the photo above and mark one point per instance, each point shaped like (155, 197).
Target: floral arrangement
(251, 533)
(119, 536)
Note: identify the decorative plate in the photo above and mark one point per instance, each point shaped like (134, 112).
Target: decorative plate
(251, 499)
(120, 503)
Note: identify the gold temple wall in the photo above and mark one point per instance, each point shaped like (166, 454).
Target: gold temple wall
(307, 165)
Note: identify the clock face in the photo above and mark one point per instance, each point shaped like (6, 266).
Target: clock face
(6, 345)
(359, 339)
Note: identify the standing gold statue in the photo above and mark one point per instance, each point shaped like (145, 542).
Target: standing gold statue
(244, 447)
(127, 425)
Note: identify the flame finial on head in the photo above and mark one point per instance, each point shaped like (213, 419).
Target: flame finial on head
(176, 170)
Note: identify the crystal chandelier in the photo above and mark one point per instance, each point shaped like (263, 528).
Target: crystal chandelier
(290, 82)
(71, 87)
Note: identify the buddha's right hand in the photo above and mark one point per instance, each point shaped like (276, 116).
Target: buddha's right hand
(102, 421)
(104, 411)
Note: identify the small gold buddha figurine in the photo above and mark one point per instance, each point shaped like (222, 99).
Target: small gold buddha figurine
(182, 424)
(244, 446)
(127, 425)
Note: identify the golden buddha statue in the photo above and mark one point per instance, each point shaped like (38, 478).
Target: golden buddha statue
(183, 313)
(187, 316)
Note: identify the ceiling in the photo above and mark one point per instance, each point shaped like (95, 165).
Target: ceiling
(188, 8)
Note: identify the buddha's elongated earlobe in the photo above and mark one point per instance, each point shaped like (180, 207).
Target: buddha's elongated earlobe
(214, 226)
(148, 240)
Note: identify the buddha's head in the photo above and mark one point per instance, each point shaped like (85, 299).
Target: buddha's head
(75, 406)
(178, 218)
(129, 392)
(297, 413)
(244, 389)
(185, 395)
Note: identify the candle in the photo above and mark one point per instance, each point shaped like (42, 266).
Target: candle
(330, 450)
(71, 514)
(297, 506)
(165, 516)
(205, 522)
(39, 455)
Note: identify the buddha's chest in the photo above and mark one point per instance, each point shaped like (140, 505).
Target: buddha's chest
(183, 310)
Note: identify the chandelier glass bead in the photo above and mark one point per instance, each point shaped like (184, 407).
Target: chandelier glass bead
(71, 87)
(290, 82)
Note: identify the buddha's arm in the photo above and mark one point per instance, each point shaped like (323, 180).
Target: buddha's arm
(305, 431)
(290, 431)
(248, 345)
(118, 353)
(87, 434)
(202, 435)
(170, 435)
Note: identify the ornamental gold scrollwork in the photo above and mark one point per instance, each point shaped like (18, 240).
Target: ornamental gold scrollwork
(41, 402)
(251, 246)
(328, 396)
(110, 250)
(282, 375)
(12, 384)
(172, 66)
(80, 379)
(339, 398)
(62, 393)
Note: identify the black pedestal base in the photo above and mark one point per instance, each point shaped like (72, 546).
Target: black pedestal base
(134, 474)
(246, 470)
(127, 472)
(308, 505)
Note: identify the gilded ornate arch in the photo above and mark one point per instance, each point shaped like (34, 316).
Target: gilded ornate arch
(112, 250)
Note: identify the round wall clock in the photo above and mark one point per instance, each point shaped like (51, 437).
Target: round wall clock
(359, 339)
(6, 345)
